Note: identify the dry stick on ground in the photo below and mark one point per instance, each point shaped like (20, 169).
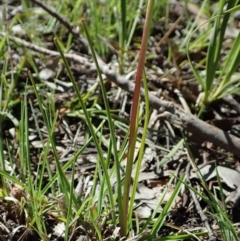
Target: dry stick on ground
(179, 118)
(233, 200)
(45, 51)
(170, 111)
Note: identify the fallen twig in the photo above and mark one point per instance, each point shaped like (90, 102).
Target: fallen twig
(233, 200)
(203, 131)
(48, 52)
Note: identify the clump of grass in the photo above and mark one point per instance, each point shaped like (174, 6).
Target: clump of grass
(219, 80)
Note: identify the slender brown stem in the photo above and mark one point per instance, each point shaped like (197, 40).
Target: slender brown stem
(134, 113)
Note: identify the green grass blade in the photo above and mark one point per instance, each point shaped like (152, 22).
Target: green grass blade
(90, 126)
(110, 123)
(158, 224)
(168, 157)
(142, 148)
(230, 66)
